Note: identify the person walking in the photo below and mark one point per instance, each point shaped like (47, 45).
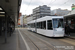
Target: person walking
(67, 30)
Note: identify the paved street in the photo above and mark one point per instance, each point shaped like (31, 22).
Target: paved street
(22, 39)
(51, 18)
(34, 41)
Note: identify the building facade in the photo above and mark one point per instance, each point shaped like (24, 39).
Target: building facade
(41, 11)
(19, 18)
(59, 12)
(24, 20)
(73, 6)
(29, 18)
(70, 20)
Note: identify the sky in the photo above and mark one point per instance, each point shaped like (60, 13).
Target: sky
(27, 6)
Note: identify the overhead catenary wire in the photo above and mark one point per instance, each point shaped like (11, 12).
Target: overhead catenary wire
(64, 3)
(59, 5)
(28, 6)
(51, 2)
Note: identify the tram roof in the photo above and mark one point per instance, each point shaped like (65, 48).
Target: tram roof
(45, 18)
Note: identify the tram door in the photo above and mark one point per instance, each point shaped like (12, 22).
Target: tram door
(58, 27)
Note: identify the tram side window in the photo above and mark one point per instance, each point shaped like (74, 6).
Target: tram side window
(41, 24)
(44, 25)
(31, 25)
(34, 25)
(37, 25)
(49, 25)
(28, 25)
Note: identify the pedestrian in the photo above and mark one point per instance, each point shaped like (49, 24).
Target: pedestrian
(67, 30)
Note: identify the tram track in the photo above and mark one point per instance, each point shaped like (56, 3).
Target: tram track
(58, 40)
(34, 46)
(52, 43)
(49, 46)
(37, 48)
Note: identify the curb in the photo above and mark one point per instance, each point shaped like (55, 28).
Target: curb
(71, 37)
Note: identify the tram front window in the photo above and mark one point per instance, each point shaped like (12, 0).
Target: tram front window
(57, 23)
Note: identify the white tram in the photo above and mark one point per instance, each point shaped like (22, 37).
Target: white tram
(51, 26)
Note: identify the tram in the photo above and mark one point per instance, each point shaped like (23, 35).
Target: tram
(51, 26)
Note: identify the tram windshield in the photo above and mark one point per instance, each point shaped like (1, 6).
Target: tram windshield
(57, 23)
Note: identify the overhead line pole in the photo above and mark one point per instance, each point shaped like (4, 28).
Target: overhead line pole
(5, 28)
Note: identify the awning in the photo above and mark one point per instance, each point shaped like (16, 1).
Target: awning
(11, 7)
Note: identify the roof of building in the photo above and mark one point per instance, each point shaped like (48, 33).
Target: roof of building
(71, 13)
